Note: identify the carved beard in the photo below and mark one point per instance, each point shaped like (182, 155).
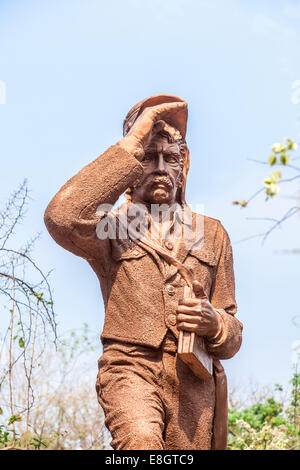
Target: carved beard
(139, 182)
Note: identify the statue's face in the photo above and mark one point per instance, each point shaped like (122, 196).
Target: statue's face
(162, 173)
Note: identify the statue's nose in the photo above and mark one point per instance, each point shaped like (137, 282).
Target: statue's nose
(161, 163)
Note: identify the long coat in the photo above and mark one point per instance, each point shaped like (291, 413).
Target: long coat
(140, 295)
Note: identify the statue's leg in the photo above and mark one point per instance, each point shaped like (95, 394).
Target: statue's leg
(128, 390)
(190, 403)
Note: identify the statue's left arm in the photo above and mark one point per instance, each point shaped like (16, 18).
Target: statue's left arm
(227, 341)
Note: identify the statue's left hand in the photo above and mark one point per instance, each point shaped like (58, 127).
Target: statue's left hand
(197, 314)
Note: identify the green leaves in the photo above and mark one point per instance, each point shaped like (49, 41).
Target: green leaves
(272, 160)
(278, 148)
(280, 156)
(4, 436)
(21, 340)
(271, 185)
(271, 424)
(278, 388)
(273, 178)
(14, 418)
(37, 443)
(257, 427)
(285, 159)
(272, 190)
(280, 151)
(291, 144)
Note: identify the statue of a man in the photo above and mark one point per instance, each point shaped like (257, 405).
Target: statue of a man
(150, 397)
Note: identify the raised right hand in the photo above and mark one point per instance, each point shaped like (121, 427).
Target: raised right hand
(149, 123)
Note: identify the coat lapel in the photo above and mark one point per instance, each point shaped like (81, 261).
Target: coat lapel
(192, 236)
(188, 235)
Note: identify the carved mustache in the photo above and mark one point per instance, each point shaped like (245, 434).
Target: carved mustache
(154, 179)
(161, 179)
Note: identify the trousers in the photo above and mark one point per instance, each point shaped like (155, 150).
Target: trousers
(152, 400)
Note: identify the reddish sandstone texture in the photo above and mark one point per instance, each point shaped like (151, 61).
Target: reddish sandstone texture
(151, 399)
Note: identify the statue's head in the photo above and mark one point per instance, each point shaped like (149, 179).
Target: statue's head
(166, 159)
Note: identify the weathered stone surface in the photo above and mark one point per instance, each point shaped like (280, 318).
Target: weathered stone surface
(151, 399)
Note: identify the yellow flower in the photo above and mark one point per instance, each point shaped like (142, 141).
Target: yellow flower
(278, 147)
(272, 189)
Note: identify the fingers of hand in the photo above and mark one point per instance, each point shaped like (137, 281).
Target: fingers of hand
(143, 125)
(164, 110)
(199, 325)
(158, 126)
(192, 323)
(189, 318)
(194, 315)
(151, 121)
(193, 327)
(203, 304)
(195, 310)
(189, 301)
(206, 305)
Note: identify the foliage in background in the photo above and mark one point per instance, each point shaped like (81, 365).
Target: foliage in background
(281, 157)
(65, 414)
(47, 395)
(269, 424)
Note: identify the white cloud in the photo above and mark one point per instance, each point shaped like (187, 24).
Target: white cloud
(2, 92)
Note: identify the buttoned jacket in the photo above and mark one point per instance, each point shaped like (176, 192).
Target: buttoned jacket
(140, 292)
(140, 295)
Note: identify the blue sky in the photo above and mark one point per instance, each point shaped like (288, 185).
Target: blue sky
(72, 70)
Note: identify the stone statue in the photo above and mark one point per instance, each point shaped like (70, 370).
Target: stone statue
(144, 258)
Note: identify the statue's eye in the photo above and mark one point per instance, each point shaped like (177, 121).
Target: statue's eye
(171, 159)
(147, 159)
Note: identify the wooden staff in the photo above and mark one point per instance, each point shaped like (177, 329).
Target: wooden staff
(192, 348)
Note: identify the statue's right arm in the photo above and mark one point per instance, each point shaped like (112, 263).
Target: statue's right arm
(71, 216)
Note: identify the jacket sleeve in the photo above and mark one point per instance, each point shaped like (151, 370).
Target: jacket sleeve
(227, 341)
(71, 216)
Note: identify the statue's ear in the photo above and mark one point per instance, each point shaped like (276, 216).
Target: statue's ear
(186, 166)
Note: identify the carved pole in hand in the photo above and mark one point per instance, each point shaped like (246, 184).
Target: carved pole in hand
(191, 347)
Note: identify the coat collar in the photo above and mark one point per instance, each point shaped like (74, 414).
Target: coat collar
(188, 238)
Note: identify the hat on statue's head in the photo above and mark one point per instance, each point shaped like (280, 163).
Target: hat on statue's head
(178, 120)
